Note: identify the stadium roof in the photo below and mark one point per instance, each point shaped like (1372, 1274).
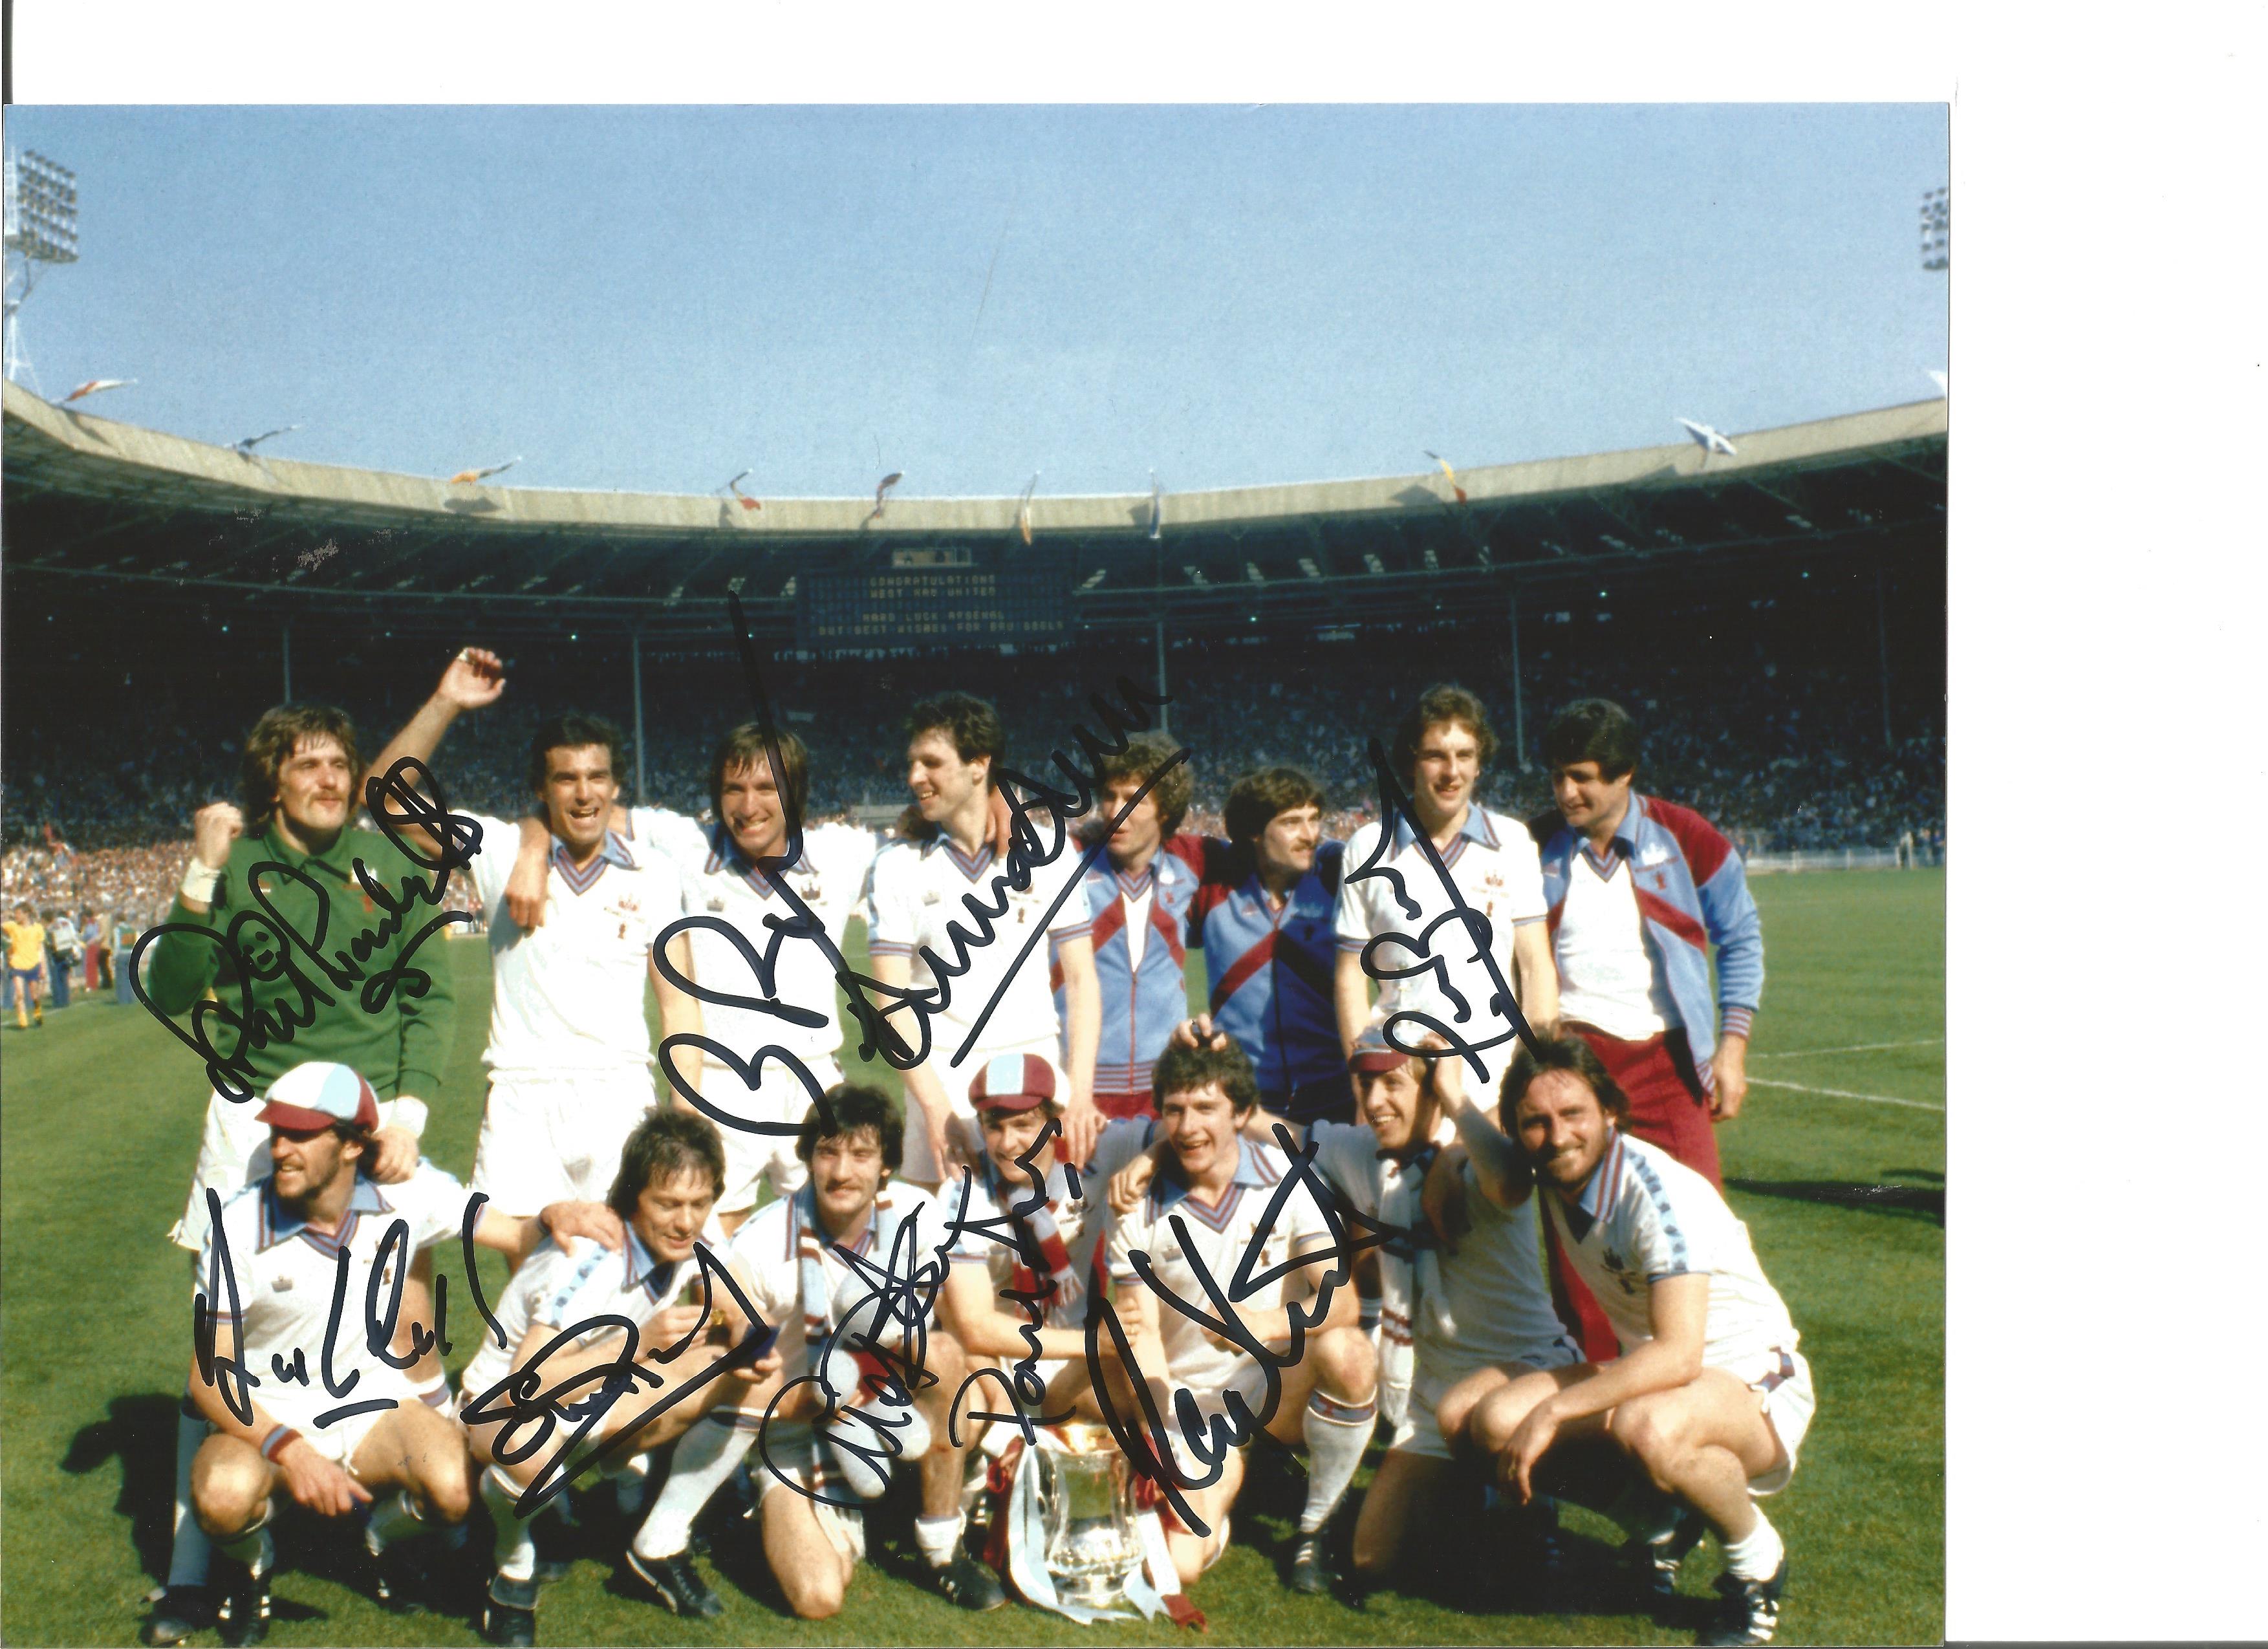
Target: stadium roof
(101, 505)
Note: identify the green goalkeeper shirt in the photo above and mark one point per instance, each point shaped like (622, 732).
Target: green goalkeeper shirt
(334, 974)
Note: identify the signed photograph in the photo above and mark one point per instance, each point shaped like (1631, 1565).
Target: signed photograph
(1026, 874)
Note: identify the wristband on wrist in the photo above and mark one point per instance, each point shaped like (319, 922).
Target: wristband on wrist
(199, 881)
(276, 1441)
(404, 1111)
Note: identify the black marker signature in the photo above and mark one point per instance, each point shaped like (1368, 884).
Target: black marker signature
(233, 1376)
(1026, 853)
(1393, 810)
(891, 1377)
(532, 1413)
(1147, 1445)
(262, 946)
(1022, 1383)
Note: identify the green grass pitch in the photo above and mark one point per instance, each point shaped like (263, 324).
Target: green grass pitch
(100, 1118)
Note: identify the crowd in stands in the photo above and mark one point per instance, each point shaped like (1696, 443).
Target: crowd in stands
(1777, 736)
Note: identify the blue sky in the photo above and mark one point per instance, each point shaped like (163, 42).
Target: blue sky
(652, 300)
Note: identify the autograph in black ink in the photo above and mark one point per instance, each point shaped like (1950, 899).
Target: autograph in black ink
(1022, 1382)
(1395, 810)
(889, 1378)
(1145, 1438)
(260, 944)
(1026, 798)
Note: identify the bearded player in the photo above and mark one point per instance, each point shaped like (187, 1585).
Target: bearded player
(1709, 1396)
(286, 854)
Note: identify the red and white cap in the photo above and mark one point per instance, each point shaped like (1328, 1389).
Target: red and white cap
(1373, 1053)
(1013, 1082)
(321, 1094)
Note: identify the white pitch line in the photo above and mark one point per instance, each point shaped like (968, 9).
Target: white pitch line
(1855, 1047)
(1843, 1093)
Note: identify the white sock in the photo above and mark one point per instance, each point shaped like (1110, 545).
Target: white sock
(629, 1483)
(515, 1537)
(255, 1550)
(938, 1536)
(1757, 1557)
(706, 1456)
(1337, 1434)
(393, 1519)
(192, 1560)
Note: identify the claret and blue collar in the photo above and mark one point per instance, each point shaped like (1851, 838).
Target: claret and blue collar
(1599, 1191)
(1476, 828)
(283, 1224)
(1170, 1185)
(612, 850)
(725, 854)
(641, 1268)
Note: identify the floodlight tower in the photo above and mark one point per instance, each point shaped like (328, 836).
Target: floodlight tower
(42, 228)
(1937, 229)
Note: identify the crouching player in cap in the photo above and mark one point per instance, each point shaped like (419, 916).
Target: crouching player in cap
(1015, 1296)
(849, 1267)
(1446, 1312)
(582, 1318)
(1216, 1211)
(315, 1240)
(1710, 1397)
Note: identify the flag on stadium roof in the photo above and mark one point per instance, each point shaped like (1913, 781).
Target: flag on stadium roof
(734, 487)
(468, 475)
(1024, 509)
(1450, 473)
(882, 491)
(1937, 378)
(96, 386)
(1157, 509)
(243, 448)
(1709, 440)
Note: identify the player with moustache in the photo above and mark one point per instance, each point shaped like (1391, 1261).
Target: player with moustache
(569, 1061)
(1710, 1397)
(1449, 1309)
(1211, 1204)
(292, 824)
(935, 896)
(645, 1273)
(847, 1266)
(268, 1280)
(1441, 747)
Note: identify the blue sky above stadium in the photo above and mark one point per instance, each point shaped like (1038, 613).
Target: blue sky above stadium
(653, 299)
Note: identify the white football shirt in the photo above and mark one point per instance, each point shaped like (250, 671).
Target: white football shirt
(561, 1288)
(1645, 1216)
(1488, 1303)
(287, 1273)
(1236, 1231)
(765, 1258)
(1492, 864)
(571, 996)
(830, 879)
(1607, 975)
(932, 900)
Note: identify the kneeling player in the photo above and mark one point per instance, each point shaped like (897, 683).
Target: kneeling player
(1709, 1396)
(563, 1317)
(1217, 1213)
(1016, 1295)
(272, 1280)
(866, 1374)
